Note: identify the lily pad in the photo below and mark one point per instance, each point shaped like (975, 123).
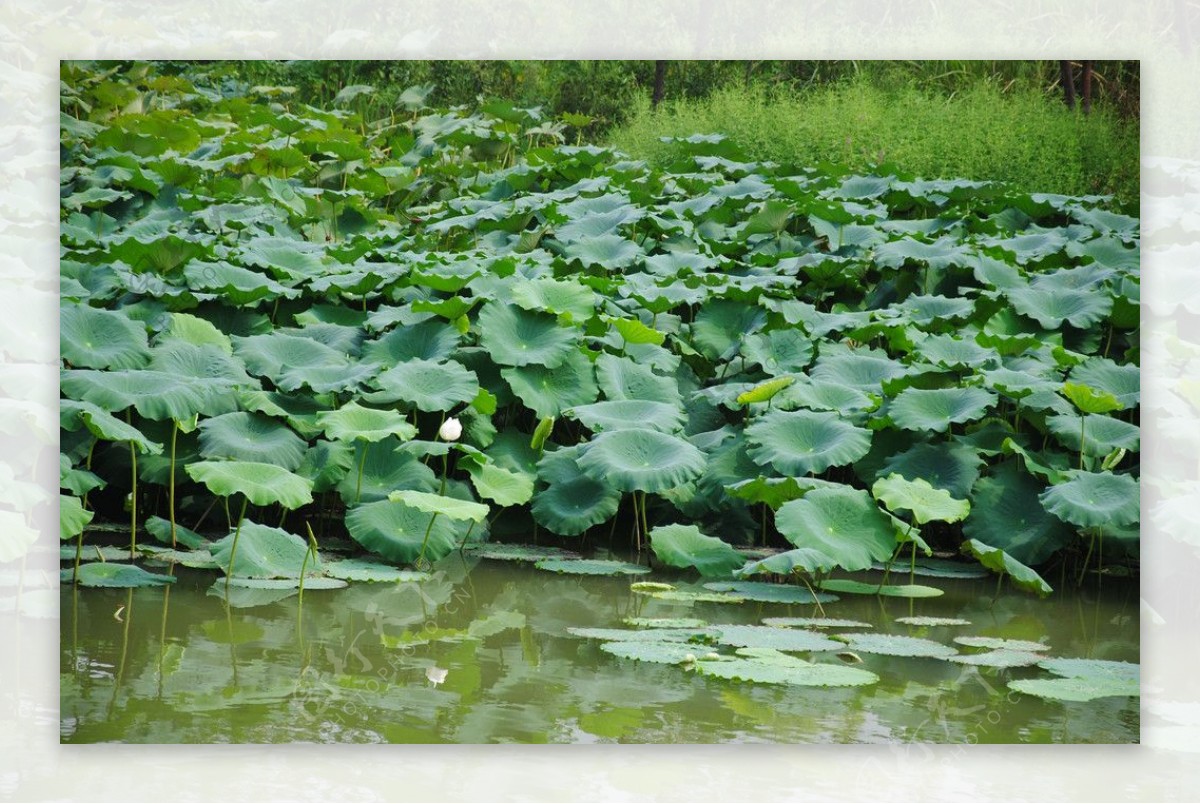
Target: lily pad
(998, 658)
(778, 668)
(590, 567)
(358, 569)
(897, 645)
(932, 621)
(771, 592)
(664, 622)
(813, 622)
(120, 576)
(996, 643)
(887, 590)
(1083, 680)
(263, 552)
(648, 635)
(516, 337)
(519, 552)
(765, 636)
(657, 652)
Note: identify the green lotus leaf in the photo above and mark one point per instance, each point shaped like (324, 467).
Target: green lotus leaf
(425, 385)
(772, 667)
(941, 568)
(75, 480)
(722, 324)
(842, 523)
(326, 464)
(770, 592)
(1083, 680)
(624, 378)
(502, 486)
(590, 567)
(396, 531)
(120, 576)
(1122, 381)
(160, 529)
(951, 466)
(1018, 384)
(609, 251)
(850, 587)
(1101, 434)
(927, 622)
(101, 339)
(897, 645)
(516, 337)
(72, 516)
(364, 570)
(556, 296)
(1090, 400)
(1091, 499)
(187, 328)
(291, 362)
(656, 635)
(550, 391)
(279, 584)
(925, 310)
(775, 491)
(430, 340)
(633, 331)
(803, 442)
(263, 552)
(261, 483)
(998, 658)
(573, 501)
(518, 552)
(206, 362)
(620, 414)
(764, 391)
(996, 643)
(864, 372)
(684, 546)
(802, 559)
(1052, 306)
(1002, 563)
(196, 559)
(664, 622)
(825, 395)
(1005, 513)
(657, 652)
(641, 460)
(107, 553)
(924, 501)
(245, 436)
(153, 394)
(236, 284)
(950, 351)
(765, 636)
(449, 507)
(813, 622)
(353, 422)
(103, 425)
(384, 471)
(688, 597)
(937, 409)
(1093, 669)
(780, 351)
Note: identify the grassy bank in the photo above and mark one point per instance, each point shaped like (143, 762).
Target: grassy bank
(1025, 137)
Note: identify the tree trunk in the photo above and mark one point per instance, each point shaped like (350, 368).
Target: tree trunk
(1068, 83)
(1087, 86)
(660, 77)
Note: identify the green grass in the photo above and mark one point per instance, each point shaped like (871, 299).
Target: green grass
(1025, 137)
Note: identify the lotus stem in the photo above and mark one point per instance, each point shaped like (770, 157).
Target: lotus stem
(311, 551)
(645, 524)
(362, 462)
(133, 503)
(999, 582)
(425, 541)
(233, 549)
(171, 485)
(1086, 559)
(1082, 422)
(78, 553)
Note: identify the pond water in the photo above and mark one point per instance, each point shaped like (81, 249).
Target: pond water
(481, 654)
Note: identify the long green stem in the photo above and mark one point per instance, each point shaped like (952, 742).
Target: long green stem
(133, 504)
(1082, 421)
(311, 551)
(171, 486)
(645, 524)
(233, 549)
(361, 465)
(425, 541)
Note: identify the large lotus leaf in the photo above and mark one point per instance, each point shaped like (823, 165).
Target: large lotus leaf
(1092, 499)
(1090, 400)
(686, 634)
(396, 531)
(187, 328)
(761, 592)
(824, 395)
(100, 339)
(291, 361)
(907, 590)
(263, 552)
(803, 442)
(550, 391)
(103, 425)
(641, 460)
(427, 340)
(560, 297)
(926, 310)
(449, 507)
(72, 516)
(928, 622)
(1002, 563)
(950, 351)
(802, 559)
(160, 529)
(624, 378)
(353, 422)
(843, 523)
(573, 501)
(814, 622)
(609, 251)
(1100, 434)
(1122, 381)
(590, 567)
(620, 414)
(657, 652)
(685, 546)
(518, 552)
(897, 645)
(245, 436)
(936, 409)
(780, 351)
(153, 394)
(766, 636)
(122, 576)
(236, 284)
(426, 385)
(771, 667)
(997, 643)
(502, 486)
(384, 470)
(721, 325)
(865, 372)
(924, 501)
(664, 622)
(946, 465)
(1083, 680)
(360, 569)
(942, 568)
(202, 362)
(1051, 306)
(774, 491)
(516, 337)
(261, 483)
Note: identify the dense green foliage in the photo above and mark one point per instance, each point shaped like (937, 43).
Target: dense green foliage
(419, 322)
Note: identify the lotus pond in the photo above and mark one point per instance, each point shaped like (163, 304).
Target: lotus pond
(378, 416)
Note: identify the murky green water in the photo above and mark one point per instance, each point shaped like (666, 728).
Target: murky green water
(360, 665)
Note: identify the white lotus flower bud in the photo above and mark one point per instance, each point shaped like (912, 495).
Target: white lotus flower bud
(451, 430)
(436, 674)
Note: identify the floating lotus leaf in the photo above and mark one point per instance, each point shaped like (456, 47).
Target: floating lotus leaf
(449, 507)
(519, 552)
(765, 636)
(153, 394)
(550, 391)
(865, 372)
(1002, 563)
(502, 486)
(572, 501)
(657, 652)
(261, 483)
(932, 621)
(280, 584)
(160, 529)
(426, 385)
(937, 409)
(641, 460)
(813, 622)
(770, 592)
(896, 645)
(101, 339)
(1052, 306)
(196, 559)
(1090, 499)
(516, 337)
(105, 553)
(802, 559)
(623, 378)
(396, 531)
(780, 351)
(667, 592)
(120, 576)
(926, 503)
(245, 436)
(941, 568)
(430, 340)
(998, 658)
(1083, 680)
(779, 668)
(72, 517)
(684, 546)
(842, 523)
(650, 635)
(1006, 513)
(664, 622)
(996, 643)
(352, 422)
(590, 567)
(621, 414)
(1122, 381)
(358, 569)
(887, 590)
(292, 362)
(263, 552)
(803, 442)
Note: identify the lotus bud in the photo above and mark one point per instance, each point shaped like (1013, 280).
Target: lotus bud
(451, 430)
(436, 675)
